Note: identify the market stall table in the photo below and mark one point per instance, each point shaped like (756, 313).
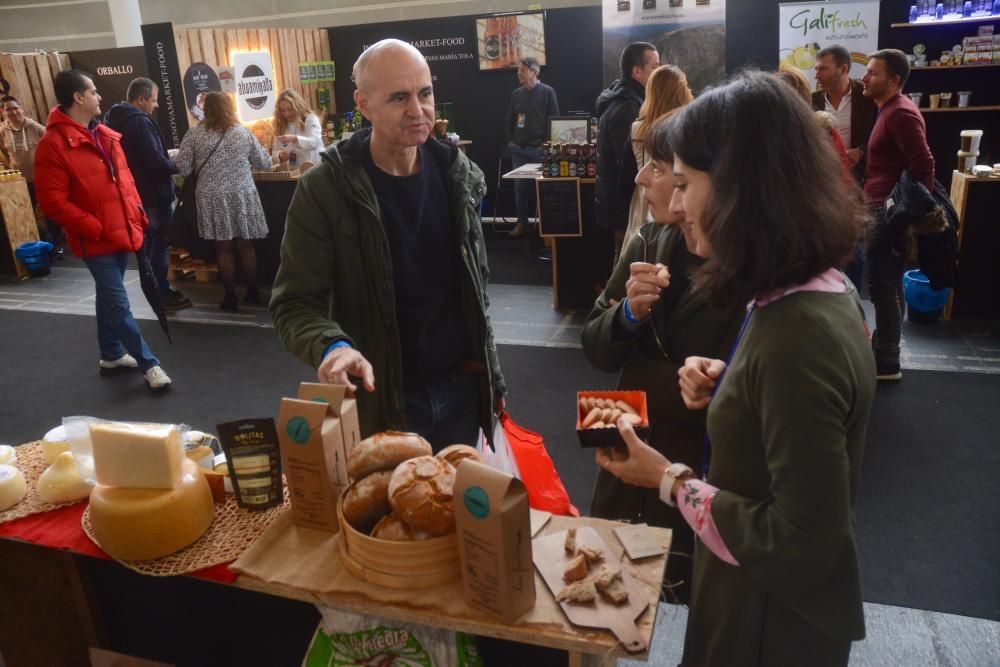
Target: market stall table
(314, 575)
(581, 264)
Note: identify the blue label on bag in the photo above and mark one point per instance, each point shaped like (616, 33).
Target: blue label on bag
(477, 502)
(297, 429)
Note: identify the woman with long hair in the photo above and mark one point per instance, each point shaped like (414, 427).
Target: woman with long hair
(666, 91)
(643, 326)
(298, 136)
(776, 577)
(222, 152)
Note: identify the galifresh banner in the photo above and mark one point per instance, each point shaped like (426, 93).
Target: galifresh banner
(808, 27)
(255, 92)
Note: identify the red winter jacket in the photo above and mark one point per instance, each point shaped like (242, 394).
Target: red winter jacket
(96, 203)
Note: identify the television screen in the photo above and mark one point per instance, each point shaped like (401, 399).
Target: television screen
(504, 40)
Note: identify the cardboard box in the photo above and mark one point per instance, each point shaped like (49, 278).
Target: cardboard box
(610, 437)
(317, 431)
(494, 541)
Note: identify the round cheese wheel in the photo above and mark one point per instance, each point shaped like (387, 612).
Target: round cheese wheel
(54, 443)
(12, 487)
(141, 524)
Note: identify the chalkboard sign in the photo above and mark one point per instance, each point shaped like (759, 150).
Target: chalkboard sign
(559, 207)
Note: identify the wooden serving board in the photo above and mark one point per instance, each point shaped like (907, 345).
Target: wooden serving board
(551, 559)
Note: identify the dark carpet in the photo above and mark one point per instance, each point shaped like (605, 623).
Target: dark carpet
(516, 261)
(928, 507)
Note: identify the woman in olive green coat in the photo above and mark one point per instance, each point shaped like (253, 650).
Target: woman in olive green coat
(776, 577)
(673, 323)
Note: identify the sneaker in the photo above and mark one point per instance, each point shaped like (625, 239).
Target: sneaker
(176, 301)
(520, 229)
(229, 302)
(887, 372)
(157, 379)
(122, 364)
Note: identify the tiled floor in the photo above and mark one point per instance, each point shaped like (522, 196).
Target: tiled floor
(523, 315)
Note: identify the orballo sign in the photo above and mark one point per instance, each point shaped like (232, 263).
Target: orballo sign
(255, 92)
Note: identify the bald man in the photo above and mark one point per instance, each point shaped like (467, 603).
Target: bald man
(383, 267)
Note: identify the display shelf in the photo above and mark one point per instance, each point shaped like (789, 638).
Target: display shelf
(973, 66)
(970, 19)
(992, 107)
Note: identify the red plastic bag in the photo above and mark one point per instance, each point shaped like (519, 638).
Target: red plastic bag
(545, 489)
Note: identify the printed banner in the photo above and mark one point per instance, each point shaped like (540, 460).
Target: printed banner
(161, 58)
(688, 33)
(199, 80)
(255, 94)
(808, 27)
(503, 41)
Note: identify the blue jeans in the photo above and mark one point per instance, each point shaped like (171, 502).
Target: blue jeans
(117, 331)
(155, 243)
(445, 413)
(524, 188)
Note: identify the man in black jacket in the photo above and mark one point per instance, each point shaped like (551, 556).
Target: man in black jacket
(617, 108)
(152, 169)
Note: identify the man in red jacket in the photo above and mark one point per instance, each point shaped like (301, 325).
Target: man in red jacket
(898, 141)
(83, 182)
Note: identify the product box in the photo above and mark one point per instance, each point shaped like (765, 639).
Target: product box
(494, 541)
(317, 431)
(605, 433)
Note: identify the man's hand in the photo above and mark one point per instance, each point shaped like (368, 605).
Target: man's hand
(854, 155)
(698, 376)
(644, 285)
(343, 362)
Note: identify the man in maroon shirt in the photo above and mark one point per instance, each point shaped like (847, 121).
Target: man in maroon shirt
(898, 141)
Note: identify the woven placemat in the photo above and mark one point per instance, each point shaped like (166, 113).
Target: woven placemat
(233, 530)
(31, 463)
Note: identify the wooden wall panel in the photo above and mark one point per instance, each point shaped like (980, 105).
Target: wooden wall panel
(45, 76)
(30, 76)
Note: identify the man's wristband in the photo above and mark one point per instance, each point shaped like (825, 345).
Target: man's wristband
(334, 345)
(628, 312)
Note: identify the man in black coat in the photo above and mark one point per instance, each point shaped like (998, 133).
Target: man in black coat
(152, 169)
(843, 98)
(617, 108)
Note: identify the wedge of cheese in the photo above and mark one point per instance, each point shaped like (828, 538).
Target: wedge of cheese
(12, 486)
(137, 456)
(61, 481)
(142, 524)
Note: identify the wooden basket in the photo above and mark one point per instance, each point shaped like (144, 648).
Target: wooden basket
(402, 565)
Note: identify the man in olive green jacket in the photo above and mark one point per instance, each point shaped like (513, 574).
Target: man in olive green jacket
(383, 266)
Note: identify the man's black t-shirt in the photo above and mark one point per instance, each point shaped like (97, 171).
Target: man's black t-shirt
(425, 266)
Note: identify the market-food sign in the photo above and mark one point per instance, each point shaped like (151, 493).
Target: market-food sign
(255, 92)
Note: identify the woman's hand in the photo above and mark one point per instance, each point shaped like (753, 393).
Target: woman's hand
(644, 285)
(644, 465)
(698, 377)
(288, 139)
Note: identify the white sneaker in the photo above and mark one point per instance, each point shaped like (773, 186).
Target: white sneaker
(156, 378)
(126, 362)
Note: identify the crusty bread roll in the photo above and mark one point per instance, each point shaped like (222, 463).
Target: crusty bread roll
(455, 454)
(420, 492)
(367, 501)
(385, 451)
(392, 527)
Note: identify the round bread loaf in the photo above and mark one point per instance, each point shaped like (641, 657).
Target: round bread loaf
(385, 451)
(421, 491)
(455, 454)
(367, 501)
(392, 527)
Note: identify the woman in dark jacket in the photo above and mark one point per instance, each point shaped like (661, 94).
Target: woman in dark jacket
(670, 323)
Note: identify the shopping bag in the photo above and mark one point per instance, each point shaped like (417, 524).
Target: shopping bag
(499, 457)
(545, 489)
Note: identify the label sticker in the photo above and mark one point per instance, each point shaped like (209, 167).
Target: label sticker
(477, 502)
(297, 429)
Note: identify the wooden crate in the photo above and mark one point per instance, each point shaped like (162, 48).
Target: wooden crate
(30, 76)
(18, 219)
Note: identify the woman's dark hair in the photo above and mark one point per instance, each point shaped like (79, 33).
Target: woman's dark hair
(67, 83)
(780, 210)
